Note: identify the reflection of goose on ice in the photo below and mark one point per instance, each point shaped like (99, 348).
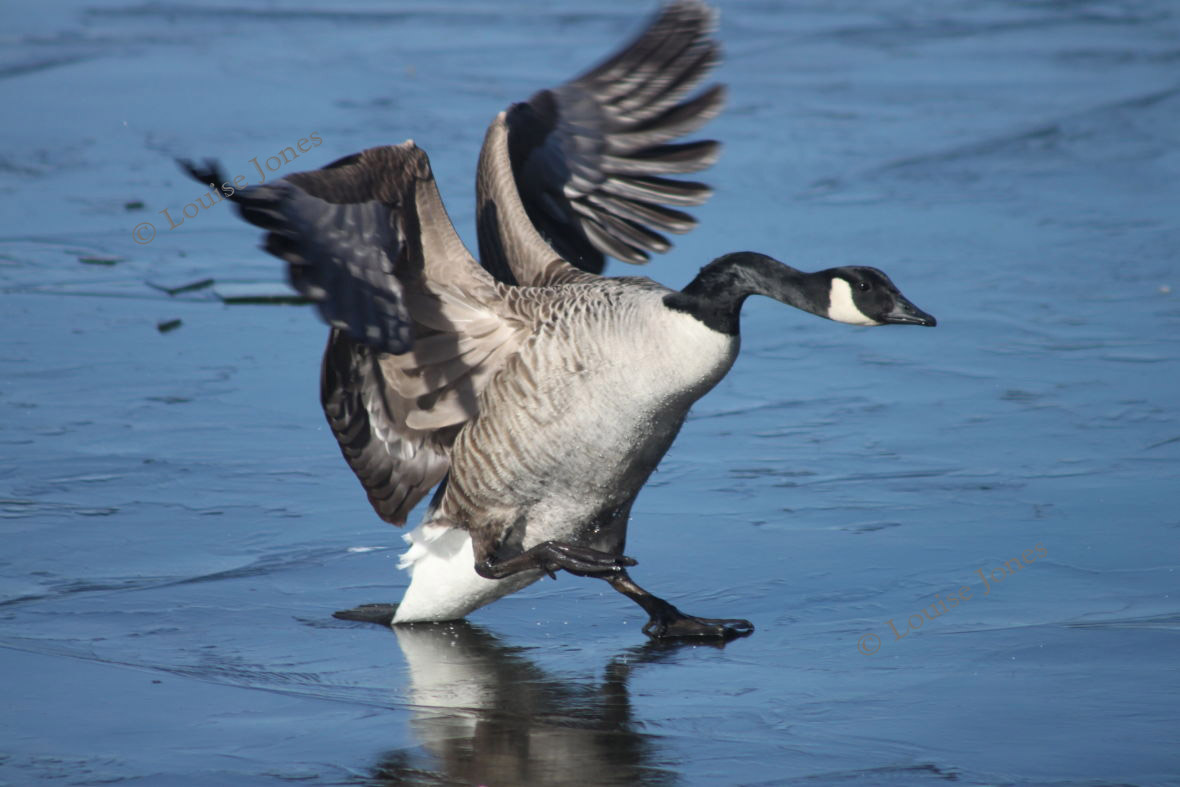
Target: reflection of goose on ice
(539, 401)
(486, 714)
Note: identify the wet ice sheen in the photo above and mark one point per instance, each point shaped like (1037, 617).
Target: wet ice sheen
(178, 524)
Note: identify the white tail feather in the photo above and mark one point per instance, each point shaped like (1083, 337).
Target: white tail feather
(443, 582)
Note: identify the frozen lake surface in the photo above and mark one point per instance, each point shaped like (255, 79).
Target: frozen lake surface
(178, 524)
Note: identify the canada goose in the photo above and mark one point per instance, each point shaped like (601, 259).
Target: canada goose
(539, 408)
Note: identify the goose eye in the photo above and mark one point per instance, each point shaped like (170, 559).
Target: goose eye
(863, 286)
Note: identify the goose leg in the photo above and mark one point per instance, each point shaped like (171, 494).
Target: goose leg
(550, 556)
(667, 622)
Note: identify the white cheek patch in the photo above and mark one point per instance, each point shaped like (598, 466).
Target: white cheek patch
(842, 308)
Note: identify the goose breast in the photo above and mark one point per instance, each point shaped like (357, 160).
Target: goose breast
(572, 427)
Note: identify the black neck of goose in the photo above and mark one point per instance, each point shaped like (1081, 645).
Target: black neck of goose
(716, 295)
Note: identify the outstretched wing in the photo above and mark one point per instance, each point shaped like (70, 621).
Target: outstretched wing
(418, 327)
(585, 165)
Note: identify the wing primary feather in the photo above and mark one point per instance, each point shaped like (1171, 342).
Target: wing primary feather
(665, 159)
(646, 213)
(675, 122)
(671, 192)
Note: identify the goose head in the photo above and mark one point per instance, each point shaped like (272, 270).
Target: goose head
(856, 295)
(865, 296)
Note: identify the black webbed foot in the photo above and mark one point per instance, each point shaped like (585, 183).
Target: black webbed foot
(669, 623)
(554, 556)
(680, 626)
(381, 614)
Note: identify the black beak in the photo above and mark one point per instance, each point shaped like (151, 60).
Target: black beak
(906, 313)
